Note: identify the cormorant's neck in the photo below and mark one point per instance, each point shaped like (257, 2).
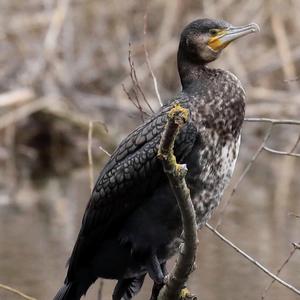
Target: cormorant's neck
(189, 70)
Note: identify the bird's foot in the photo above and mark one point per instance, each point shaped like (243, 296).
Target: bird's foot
(155, 270)
(155, 290)
(158, 286)
(185, 294)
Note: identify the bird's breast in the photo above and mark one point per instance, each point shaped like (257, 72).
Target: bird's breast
(210, 170)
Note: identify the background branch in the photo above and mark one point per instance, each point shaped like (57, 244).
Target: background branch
(15, 291)
(149, 63)
(90, 155)
(286, 261)
(252, 260)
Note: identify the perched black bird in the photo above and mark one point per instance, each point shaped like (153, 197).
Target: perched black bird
(132, 223)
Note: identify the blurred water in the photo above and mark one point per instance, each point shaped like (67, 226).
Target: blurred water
(37, 233)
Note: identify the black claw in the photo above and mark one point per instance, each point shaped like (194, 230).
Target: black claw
(155, 270)
(158, 286)
(155, 290)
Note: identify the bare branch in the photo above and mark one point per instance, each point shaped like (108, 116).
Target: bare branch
(23, 111)
(105, 151)
(15, 291)
(136, 88)
(56, 25)
(253, 261)
(158, 58)
(90, 155)
(274, 121)
(279, 270)
(136, 84)
(16, 97)
(288, 153)
(135, 103)
(292, 79)
(149, 63)
(295, 145)
(176, 175)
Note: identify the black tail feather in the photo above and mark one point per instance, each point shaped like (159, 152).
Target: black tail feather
(73, 290)
(127, 288)
(67, 292)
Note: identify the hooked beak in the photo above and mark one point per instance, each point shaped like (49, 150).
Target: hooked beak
(226, 36)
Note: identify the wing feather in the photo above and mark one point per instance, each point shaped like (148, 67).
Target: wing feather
(131, 173)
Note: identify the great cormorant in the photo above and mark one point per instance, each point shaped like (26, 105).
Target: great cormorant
(132, 223)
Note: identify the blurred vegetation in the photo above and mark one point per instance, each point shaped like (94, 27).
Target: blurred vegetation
(63, 62)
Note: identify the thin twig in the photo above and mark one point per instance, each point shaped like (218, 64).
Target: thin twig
(91, 176)
(15, 291)
(149, 63)
(16, 97)
(56, 25)
(286, 261)
(105, 151)
(158, 58)
(137, 83)
(137, 105)
(11, 169)
(274, 121)
(292, 79)
(90, 155)
(253, 261)
(23, 111)
(287, 153)
(136, 87)
(295, 145)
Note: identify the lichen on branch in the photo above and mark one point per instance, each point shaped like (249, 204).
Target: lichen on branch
(175, 286)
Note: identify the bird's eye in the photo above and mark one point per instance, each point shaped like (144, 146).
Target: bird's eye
(213, 32)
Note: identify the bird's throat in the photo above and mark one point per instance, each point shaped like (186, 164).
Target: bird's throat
(190, 71)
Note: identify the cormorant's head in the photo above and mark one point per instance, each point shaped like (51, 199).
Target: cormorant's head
(204, 39)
